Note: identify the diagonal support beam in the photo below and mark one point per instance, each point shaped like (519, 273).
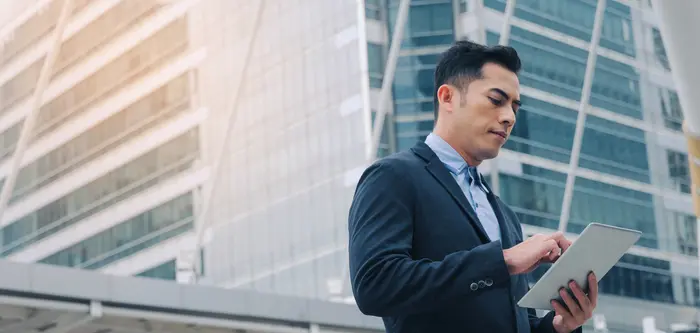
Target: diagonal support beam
(388, 81)
(37, 101)
(383, 106)
(581, 119)
(202, 220)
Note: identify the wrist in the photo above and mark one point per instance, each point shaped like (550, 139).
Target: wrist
(508, 259)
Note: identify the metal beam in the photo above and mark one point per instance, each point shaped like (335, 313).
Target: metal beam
(37, 101)
(581, 119)
(388, 79)
(384, 98)
(502, 40)
(202, 220)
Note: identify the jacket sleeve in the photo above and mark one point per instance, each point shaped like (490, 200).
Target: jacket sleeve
(385, 279)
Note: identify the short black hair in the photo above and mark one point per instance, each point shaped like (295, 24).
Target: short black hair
(462, 63)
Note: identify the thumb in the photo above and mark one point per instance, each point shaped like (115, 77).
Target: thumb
(558, 320)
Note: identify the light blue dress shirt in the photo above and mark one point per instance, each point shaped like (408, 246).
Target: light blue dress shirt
(469, 180)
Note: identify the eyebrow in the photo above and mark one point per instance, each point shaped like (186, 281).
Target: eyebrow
(505, 95)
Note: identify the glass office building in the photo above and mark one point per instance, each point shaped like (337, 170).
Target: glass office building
(114, 161)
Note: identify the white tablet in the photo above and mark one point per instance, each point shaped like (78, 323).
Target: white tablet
(597, 249)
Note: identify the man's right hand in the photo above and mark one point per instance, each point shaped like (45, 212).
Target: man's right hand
(526, 256)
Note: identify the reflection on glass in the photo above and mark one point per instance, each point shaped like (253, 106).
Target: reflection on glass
(140, 232)
(137, 175)
(147, 113)
(165, 271)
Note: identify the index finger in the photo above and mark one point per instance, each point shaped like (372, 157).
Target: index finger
(561, 240)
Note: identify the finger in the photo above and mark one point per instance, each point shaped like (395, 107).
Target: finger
(574, 309)
(583, 301)
(549, 247)
(593, 289)
(560, 310)
(562, 242)
(558, 320)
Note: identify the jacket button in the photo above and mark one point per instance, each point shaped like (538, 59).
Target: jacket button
(474, 286)
(482, 284)
(489, 282)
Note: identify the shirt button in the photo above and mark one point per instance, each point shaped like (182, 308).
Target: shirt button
(474, 286)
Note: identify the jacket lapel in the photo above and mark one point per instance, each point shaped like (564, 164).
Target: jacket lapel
(443, 176)
(506, 229)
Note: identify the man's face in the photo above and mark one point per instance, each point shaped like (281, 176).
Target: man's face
(481, 119)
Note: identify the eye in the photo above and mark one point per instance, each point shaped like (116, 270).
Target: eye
(496, 101)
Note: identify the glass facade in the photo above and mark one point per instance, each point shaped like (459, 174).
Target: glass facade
(280, 203)
(621, 140)
(165, 271)
(87, 153)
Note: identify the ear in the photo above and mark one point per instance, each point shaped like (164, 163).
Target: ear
(446, 97)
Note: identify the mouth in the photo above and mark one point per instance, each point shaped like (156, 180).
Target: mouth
(502, 134)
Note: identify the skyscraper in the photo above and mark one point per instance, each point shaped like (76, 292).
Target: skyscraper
(113, 163)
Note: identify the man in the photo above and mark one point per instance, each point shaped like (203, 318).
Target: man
(432, 249)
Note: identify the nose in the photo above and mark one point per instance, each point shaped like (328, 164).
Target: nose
(507, 116)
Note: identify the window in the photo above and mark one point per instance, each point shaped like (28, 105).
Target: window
(616, 88)
(547, 130)
(20, 86)
(36, 27)
(427, 24)
(685, 233)
(559, 69)
(375, 57)
(536, 197)
(8, 140)
(576, 18)
(135, 176)
(463, 6)
(165, 271)
(609, 204)
(635, 277)
(678, 171)
(138, 233)
(152, 110)
(123, 16)
(671, 109)
(660, 49)
(413, 86)
(151, 52)
(373, 10)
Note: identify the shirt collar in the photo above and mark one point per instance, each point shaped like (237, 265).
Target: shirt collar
(448, 155)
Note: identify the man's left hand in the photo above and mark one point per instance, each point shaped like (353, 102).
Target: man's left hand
(579, 310)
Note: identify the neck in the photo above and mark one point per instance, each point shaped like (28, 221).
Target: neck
(450, 138)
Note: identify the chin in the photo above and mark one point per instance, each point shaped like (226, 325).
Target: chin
(489, 154)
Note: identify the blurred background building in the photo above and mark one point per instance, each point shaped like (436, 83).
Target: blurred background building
(232, 134)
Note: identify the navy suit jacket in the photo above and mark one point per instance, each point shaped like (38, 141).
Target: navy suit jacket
(420, 259)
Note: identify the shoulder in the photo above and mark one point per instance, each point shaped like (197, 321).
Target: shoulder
(399, 166)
